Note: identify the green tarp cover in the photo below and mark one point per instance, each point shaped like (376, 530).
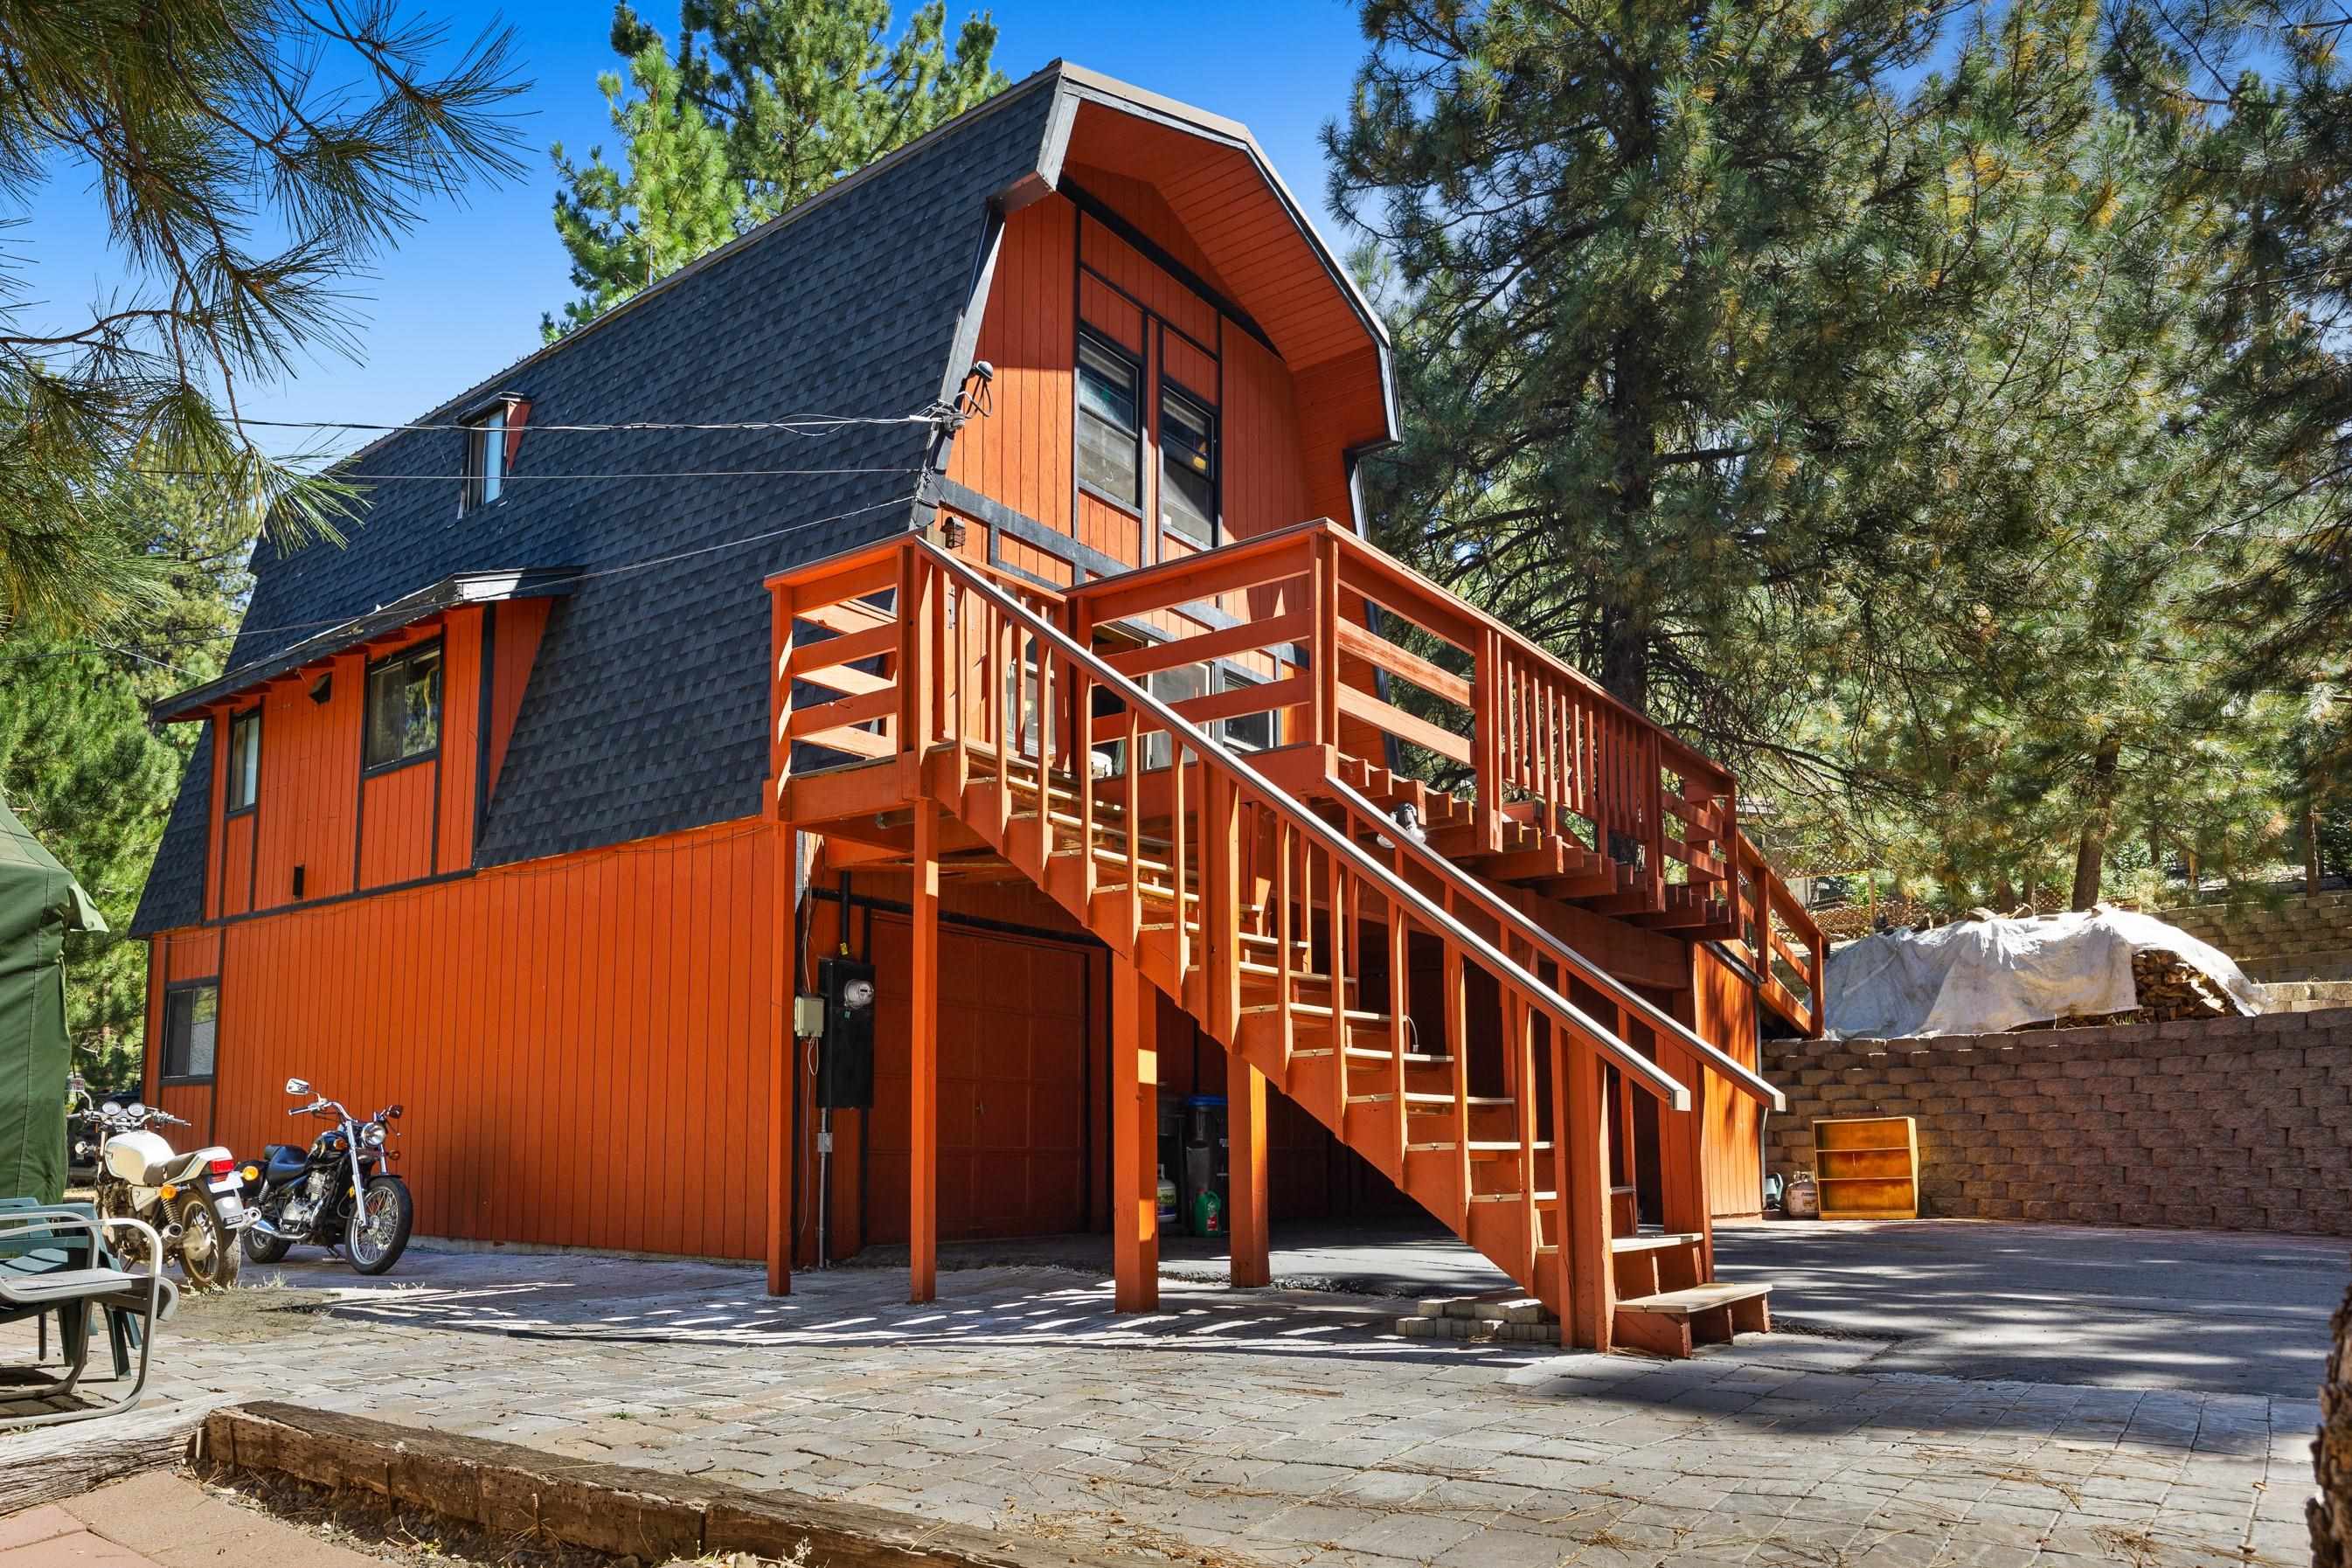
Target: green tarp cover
(39, 902)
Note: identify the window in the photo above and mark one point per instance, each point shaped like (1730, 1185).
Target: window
(1172, 686)
(1188, 470)
(244, 760)
(1110, 432)
(486, 460)
(191, 1029)
(1245, 731)
(403, 707)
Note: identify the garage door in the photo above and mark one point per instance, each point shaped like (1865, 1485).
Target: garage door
(1012, 1085)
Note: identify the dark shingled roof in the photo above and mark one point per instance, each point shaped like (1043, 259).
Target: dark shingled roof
(646, 712)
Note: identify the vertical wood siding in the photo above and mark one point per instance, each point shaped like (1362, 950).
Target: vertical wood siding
(581, 1044)
(1057, 268)
(514, 649)
(1723, 1013)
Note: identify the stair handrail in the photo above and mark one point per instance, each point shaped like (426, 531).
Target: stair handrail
(1629, 1061)
(1743, 1077)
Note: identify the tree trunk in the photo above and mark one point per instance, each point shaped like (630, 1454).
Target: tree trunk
(2091, 854)
(2004, 893)
(1626, 660)
(2311, 849)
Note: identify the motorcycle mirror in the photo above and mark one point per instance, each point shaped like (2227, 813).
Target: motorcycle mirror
(394, 1113)
(296, 1086)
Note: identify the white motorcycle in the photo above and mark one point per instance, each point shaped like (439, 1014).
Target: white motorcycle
(192, 1200)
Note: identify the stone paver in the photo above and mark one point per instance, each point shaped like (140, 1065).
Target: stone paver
(160, 1520)
(1266, 1427)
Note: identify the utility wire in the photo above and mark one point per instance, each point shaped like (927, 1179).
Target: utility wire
(800, 423)
(514, 477)
(645, 563)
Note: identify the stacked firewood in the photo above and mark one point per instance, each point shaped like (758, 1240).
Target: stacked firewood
(2168, 987)
(2330, 1511)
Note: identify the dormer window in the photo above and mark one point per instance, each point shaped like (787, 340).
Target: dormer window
(486, 459)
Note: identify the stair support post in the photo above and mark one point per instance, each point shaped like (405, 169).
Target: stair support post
(1245, 1147)
(923, 1061)
(1581, 1142)
(1135, 1138)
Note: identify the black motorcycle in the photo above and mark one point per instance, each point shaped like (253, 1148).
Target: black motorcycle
(335, 1194)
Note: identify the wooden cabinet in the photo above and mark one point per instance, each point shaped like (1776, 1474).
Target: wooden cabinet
(1867, 1167)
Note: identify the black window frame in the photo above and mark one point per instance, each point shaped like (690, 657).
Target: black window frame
(414, 651)
(237, 723)
(1139, 385)
(1206, 413)
(180, 1002)
(485, 482)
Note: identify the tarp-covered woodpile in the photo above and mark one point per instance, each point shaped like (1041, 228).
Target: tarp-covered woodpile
(39, 903)
(1990, 975)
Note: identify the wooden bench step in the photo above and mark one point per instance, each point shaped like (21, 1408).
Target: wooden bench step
(1654, 1243)
(1698, 1298)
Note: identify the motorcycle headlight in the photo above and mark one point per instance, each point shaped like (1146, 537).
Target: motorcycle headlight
(372, 1135)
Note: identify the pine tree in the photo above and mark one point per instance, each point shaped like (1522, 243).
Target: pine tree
(761, 106)
(1644, 257)
(80, 763)
(251, 156)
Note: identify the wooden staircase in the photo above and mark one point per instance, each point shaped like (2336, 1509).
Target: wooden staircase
(1471, 1056)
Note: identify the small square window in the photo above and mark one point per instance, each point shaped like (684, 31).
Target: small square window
(244, 760)
(1245, 731)
(486, 460)
(1111, 431)
(191, 1030)
(1188, 470)
(403, 706)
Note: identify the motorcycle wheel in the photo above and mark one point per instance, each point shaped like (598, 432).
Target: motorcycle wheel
(380, 1225)
(260, 1248)
(208, 1256)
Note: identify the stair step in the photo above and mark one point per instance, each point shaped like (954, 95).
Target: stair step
(1357, 1016)
(1512, 1197)
(1417, 1100)
(1696, 1299)
(1373, 1054)
(1478, 1147)
(1654, 1243)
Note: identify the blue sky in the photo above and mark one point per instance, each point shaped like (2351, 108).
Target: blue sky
(464, 292)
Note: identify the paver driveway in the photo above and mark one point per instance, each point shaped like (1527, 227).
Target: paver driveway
(1267, 1428)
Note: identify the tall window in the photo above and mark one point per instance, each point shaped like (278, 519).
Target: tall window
(191, 1030)
(1111, 429)
(403, 706)
(244, 760)
(1188, 471)
(486, 460)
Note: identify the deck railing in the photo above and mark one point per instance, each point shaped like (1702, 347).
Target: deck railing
(1336, 629)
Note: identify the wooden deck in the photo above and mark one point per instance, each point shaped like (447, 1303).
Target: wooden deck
(1280, 820)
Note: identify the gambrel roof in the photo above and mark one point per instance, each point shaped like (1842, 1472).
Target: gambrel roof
(646, 711)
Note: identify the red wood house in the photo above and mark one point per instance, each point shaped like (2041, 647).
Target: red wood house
(757, 622)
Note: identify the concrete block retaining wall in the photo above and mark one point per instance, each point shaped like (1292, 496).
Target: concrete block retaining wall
(2228, 1123)
(2308, 937)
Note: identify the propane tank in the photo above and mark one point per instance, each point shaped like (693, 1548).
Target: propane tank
(1801, 1199)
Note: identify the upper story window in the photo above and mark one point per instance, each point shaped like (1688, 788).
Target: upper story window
(244, 760)
(1110, 428)
(191, 1030)
(1188, 469)
(486, 460)
(1246, 732)
(403, 706)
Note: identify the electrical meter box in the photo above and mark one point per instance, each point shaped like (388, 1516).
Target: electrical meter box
(845, 1058)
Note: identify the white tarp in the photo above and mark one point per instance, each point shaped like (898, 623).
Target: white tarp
(1980, 977)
